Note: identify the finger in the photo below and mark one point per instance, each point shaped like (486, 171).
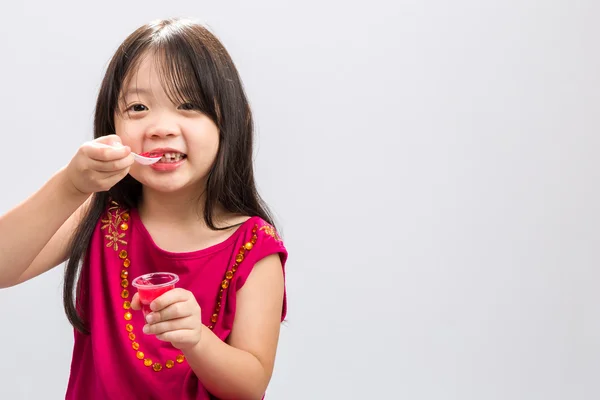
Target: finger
(167, 326)
(168, 298)
(180, 309)
(113, 165)
(103, 152)
(178, 336)
(135, 302)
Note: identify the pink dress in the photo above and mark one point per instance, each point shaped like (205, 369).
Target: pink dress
(117, 360)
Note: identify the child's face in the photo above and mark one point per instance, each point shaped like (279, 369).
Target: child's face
(150, 121)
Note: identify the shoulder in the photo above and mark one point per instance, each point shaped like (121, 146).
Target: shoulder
(265, 233)
(259, 240)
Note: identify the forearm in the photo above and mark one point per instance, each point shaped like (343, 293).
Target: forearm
(225, 371)
(27, 228)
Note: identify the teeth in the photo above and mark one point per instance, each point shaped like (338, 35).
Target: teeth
(172, 157)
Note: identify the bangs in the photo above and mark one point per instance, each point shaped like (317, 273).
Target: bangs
(178, 67)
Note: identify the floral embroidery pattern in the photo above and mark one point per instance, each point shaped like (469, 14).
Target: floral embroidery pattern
(115, 217)
(270, 230)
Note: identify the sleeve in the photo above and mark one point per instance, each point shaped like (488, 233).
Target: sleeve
(267, 242)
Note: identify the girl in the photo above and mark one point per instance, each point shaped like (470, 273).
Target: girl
(170, 90)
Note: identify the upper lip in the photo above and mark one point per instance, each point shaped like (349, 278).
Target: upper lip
(164, 150)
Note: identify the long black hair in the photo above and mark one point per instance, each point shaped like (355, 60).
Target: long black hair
(194, 67)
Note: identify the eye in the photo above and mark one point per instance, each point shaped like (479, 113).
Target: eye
(137, 108)
(188, 107)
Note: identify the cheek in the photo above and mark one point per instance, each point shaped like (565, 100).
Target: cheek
(128, 133)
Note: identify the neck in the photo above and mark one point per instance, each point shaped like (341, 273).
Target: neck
(172, 207)
(177, 208)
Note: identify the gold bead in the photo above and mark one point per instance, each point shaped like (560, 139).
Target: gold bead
(140, 355)
(248, 246)
(125, 216)
(157, 367)
(147, 362)
(214, 318)
(129, 328)
(127, 316)
(239, 258)
(125, 294)
(234, 268)
(131, 336)
(124, 274)
(255, 229)
(124, 226)
(124, 283)
(169, 364)
(127, 263)
(225, 284)
(229, 275)
(126, 305)
(180, 358)
(123, 254)
(135, 345)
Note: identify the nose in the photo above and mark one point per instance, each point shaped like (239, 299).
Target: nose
(162, 127)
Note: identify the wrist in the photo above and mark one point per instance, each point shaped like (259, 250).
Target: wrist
(199, 348)
(67, 188)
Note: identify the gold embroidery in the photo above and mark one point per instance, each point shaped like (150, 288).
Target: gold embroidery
(269, 230)
(112, 222)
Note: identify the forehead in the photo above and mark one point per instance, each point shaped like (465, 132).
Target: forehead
(143, 77)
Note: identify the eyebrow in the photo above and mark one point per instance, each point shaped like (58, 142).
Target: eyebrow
(136, 90)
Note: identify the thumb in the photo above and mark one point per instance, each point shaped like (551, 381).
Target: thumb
(111, 140)
(135, 302)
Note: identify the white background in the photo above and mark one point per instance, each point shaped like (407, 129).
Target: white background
(432, 165)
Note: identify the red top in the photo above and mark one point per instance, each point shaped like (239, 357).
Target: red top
(117, 360)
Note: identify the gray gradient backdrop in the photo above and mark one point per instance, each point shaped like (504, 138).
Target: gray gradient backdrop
(433, 165)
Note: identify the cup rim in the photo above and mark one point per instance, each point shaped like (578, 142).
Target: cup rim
(174, 279)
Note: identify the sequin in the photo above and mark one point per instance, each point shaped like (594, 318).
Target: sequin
(129, 328)
(125, 294)
(135, 345)
(127, 263)
(123, 254)
(157, 367)
(140, 355)
(126, 305)
(169, 364)
(147, 362)
(180, 358)
(127, 316)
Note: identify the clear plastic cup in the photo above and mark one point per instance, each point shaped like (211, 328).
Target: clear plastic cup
(151, 286)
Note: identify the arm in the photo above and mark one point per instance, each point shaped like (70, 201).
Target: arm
(35, 234)
(241, 368)
(43, 221)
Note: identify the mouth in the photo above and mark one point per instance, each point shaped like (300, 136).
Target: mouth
(166, 155)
